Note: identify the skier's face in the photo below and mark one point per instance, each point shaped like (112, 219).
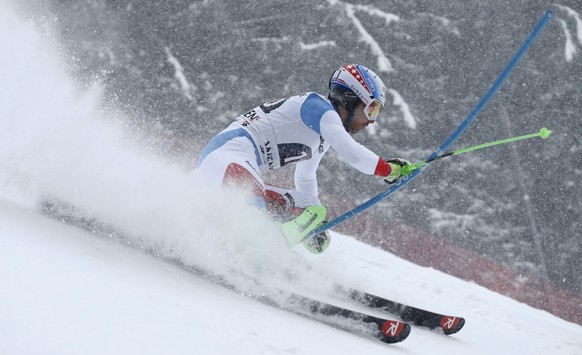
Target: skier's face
(359, 122)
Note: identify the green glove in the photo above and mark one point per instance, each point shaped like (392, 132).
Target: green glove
(396, 166)
(318, 243)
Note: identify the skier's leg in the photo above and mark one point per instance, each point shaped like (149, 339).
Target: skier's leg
(237, 176)
(234, 165)
(285, 204)
(281, 204)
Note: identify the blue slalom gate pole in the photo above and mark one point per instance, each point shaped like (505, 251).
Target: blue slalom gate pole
(451, 139)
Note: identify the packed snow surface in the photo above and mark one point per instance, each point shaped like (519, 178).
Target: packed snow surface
(66, 291)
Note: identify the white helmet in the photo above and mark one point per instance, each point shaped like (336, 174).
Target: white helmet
(353, 83)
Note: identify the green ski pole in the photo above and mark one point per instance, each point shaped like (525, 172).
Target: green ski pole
(543, 133)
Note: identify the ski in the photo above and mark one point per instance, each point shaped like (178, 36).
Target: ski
(386, 330)
(420, 317)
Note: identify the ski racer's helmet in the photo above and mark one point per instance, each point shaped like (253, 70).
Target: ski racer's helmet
(353, 83)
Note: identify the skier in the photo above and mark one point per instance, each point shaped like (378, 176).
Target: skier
(300, 129)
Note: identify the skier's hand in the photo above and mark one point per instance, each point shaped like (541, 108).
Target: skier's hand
(318, 243)
(396, 165)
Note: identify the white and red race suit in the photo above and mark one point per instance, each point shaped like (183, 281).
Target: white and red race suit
(296, 130)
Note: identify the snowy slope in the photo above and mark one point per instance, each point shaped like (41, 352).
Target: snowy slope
(65, 291)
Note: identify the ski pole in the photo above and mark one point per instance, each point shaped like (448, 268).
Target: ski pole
(452, 138)
(543, 133)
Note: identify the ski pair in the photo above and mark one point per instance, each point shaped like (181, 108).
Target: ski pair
(386, 330)
(419, 317)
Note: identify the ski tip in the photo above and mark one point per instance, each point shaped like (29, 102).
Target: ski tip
(451, 325)
(394, 331)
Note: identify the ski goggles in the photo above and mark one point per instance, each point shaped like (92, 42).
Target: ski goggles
(372, 111)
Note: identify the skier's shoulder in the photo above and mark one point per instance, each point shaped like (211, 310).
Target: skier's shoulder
(314, 105)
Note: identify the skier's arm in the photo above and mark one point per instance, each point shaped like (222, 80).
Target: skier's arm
(349, 150)
(306, 179)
